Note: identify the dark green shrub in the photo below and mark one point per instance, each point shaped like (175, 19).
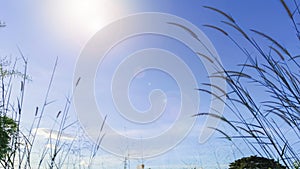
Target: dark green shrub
(8, 128)
(254, 162)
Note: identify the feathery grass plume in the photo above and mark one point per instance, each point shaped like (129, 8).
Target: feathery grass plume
(221, 12)
(287, 9)
(206, 57)
(277, 52)
(273, 41)
(217, 28)
(236, 27)
(259, 121)
(222, 132)
(97, 144)
(215, 86)
(292, 15)
(185, 28)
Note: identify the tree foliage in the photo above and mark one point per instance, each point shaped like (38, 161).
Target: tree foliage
(8, 128)
(8, 125)
(254, 162)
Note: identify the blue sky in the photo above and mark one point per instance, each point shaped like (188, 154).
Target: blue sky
(46, 30)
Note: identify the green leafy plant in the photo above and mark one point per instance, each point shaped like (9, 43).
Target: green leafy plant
(8, 128)
(296, 165)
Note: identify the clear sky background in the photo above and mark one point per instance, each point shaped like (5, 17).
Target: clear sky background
(45, 30)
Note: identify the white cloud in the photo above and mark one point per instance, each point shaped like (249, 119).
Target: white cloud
(53, 134)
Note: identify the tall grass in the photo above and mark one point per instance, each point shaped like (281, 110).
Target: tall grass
(24, 141)
(267, 114)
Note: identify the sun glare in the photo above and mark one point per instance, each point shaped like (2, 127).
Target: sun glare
(83, 18)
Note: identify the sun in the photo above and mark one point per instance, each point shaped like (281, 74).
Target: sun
(83, 18)
(89, 15)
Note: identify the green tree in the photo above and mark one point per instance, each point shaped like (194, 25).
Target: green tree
(8, 125)
(254, 162)
(296, 165)
(8, 128)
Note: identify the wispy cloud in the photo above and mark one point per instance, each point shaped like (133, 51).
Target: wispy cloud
(53, 134)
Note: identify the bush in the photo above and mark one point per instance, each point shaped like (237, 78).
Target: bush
(254, 162)
(8, 128)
